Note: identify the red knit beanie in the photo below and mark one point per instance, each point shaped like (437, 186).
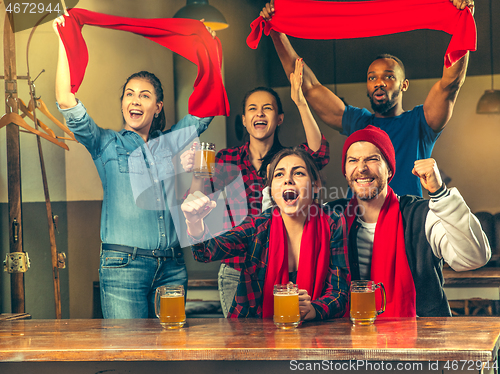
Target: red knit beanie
(377, 137)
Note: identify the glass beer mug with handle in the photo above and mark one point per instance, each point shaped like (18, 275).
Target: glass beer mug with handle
(204, 159)
(169, 306)
(363, 310)
(286, 306)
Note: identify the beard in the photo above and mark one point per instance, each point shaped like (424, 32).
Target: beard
(383, 108)
(367, 193)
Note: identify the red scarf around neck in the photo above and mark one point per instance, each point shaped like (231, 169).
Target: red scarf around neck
(309, 19)
(314, 257)
(389, 261)
(189, 38)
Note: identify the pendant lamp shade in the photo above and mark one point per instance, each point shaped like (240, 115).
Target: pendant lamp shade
(200, 9)
(489, 103)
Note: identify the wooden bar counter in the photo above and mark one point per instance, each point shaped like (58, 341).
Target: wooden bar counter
(249, 345)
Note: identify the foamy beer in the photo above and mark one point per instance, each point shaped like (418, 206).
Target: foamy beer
(169, 306)
(286, 306)
(363, 309)
(204, 159)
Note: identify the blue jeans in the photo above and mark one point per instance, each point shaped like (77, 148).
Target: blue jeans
(128, 283)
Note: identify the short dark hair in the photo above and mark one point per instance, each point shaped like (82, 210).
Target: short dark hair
(159, 122)
(392, 57)
(311, 167)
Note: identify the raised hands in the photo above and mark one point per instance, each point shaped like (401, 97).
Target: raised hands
(195, 208)
(209, 29)
(268, 11)
(61, 20)
(428, 172)
(296, 83)
(462, 4)
(313, 134)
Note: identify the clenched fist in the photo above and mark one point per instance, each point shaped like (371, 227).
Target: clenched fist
(195, 208)
(428, 172)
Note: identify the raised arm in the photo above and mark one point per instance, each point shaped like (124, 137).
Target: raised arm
(439, 104)
(65, 98)
(455, 234)
(208, 248)
(313, 134)
(195, 208)
(452, 231)
(325, 103)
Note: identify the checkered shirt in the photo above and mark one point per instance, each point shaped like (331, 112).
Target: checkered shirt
(250, 242)
(247, 200)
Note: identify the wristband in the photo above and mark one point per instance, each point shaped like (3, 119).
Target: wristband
(440, 193)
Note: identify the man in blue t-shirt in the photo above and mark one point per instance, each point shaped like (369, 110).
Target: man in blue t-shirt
(412, 132)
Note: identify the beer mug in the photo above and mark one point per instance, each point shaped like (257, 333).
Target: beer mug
(169, 306)
(286, 306)
(363, 310)
(204, 159)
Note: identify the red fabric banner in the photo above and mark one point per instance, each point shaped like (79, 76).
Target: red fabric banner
(189, 38)
(308, 19)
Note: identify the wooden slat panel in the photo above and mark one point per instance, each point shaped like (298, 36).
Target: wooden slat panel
(489, 277)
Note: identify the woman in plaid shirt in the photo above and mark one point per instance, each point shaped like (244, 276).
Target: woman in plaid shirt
(271, 244)
(262, 116)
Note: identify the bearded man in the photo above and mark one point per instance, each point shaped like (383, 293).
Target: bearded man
(403, 241)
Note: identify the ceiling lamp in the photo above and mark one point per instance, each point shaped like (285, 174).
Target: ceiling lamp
(489, 103)
(200, 9)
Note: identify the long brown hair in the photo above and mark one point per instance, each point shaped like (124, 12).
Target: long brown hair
(311, 167)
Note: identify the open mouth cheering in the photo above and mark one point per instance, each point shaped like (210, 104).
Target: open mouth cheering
(290, 197)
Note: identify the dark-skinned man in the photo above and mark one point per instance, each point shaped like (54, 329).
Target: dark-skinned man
(412, 132)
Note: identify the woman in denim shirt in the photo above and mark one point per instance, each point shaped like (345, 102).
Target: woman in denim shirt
(140, 247)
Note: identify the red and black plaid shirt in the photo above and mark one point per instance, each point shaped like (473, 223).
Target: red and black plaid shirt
(247, 200)
(250, 241)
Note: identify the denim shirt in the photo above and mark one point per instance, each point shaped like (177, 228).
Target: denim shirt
(138, 178)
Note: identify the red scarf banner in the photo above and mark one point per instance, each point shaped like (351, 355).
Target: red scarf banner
(389, 261)
(308, 19)
(189, 38)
